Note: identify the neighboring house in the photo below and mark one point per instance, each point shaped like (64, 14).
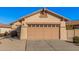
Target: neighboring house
(43, 24)
(4, 28)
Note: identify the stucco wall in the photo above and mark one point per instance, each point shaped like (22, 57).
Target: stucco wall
(72, 33)
(14, 25)
(37, 18)
(23, 33)
(76, 32)
(63, 31)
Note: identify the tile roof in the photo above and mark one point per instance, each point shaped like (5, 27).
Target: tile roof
(4, 26)
(72, 22)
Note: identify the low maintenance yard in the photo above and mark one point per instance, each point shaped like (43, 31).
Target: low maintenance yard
(9, 44)
(12, 44)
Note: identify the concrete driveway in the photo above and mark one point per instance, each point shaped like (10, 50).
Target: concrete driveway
(50, 45)
(9, 44)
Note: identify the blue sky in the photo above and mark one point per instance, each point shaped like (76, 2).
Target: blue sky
(11, 14)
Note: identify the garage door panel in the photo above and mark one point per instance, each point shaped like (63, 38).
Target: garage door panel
(47, 33)
(51, 33)
(55, 33)
(36, 33)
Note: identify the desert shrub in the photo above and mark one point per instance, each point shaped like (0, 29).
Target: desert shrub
(1, 35)
(6, 33)
(76, 39)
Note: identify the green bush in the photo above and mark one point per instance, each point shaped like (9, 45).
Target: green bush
(76, 39)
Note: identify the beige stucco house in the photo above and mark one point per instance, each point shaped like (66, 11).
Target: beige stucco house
(41, 25)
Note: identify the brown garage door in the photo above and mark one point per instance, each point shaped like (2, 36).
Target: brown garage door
(43, 31)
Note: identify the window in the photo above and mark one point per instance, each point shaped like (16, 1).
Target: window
(57, 25)
(53, 25)
(49, 25)
(37, 25)
(41, 25)
(33, 25)
(45, 25)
